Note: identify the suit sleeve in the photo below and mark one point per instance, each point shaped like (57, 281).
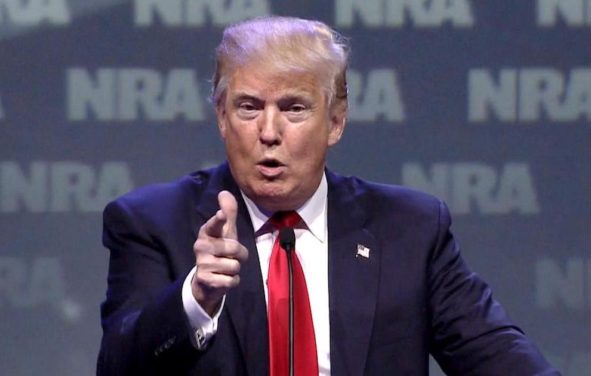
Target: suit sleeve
(145, 329)
(472, 334)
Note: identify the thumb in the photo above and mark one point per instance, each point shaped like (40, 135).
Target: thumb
(229, 208)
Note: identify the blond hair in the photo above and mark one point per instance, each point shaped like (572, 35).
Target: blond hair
(284, 44)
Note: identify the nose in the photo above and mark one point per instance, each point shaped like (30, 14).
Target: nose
(269, 127)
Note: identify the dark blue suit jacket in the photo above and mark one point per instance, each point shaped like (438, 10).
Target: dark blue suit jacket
(411, 297)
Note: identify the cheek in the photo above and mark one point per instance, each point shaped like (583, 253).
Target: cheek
(312, 150)
(241, 138)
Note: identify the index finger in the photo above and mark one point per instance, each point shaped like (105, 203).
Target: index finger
(215, 225)
(223, 223)
(229, 208)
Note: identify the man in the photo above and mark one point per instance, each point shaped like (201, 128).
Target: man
(193, 266)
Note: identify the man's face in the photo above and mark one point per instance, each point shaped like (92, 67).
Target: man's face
(277, 129)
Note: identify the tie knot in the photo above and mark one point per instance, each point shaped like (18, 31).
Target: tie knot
(283, 219)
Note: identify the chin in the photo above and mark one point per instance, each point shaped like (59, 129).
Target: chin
(273, 200)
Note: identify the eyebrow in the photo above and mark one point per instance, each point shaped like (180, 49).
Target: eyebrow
(243, 96)
(289, 95)
(291, 99)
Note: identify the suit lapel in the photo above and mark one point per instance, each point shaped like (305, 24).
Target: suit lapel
(245, 305)
(353, 275)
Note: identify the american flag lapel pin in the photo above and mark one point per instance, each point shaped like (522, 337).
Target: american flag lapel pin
(362, 251)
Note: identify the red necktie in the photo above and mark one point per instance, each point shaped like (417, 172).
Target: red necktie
(305, 356)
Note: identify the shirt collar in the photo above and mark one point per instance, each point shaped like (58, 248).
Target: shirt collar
(312, 212)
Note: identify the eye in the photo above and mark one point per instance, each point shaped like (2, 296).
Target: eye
(297, 108)
(247, 109)
(246, 106)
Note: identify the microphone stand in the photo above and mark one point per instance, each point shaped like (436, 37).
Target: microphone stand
(291, 339)
(287, 241)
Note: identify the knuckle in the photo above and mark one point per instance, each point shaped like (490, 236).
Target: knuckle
(233, 247)
(200, 245)
(203, 261)
(236, 267)
(243, 254)
(201, 279)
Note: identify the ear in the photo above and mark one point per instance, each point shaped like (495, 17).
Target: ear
(338, 119)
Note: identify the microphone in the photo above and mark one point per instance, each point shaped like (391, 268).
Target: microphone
(287, 242)
(287, 239)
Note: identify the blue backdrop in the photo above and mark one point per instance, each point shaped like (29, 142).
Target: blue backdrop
(485, 104)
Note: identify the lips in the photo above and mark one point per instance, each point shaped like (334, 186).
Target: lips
(270, 167)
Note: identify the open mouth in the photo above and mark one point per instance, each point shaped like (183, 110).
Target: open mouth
(270, 168)
(271, 163)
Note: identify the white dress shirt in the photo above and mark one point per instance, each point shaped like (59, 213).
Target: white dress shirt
(312, 252)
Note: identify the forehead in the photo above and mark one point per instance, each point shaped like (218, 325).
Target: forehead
(268, 84)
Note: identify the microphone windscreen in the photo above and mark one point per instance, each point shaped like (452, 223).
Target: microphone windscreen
(287, 238)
